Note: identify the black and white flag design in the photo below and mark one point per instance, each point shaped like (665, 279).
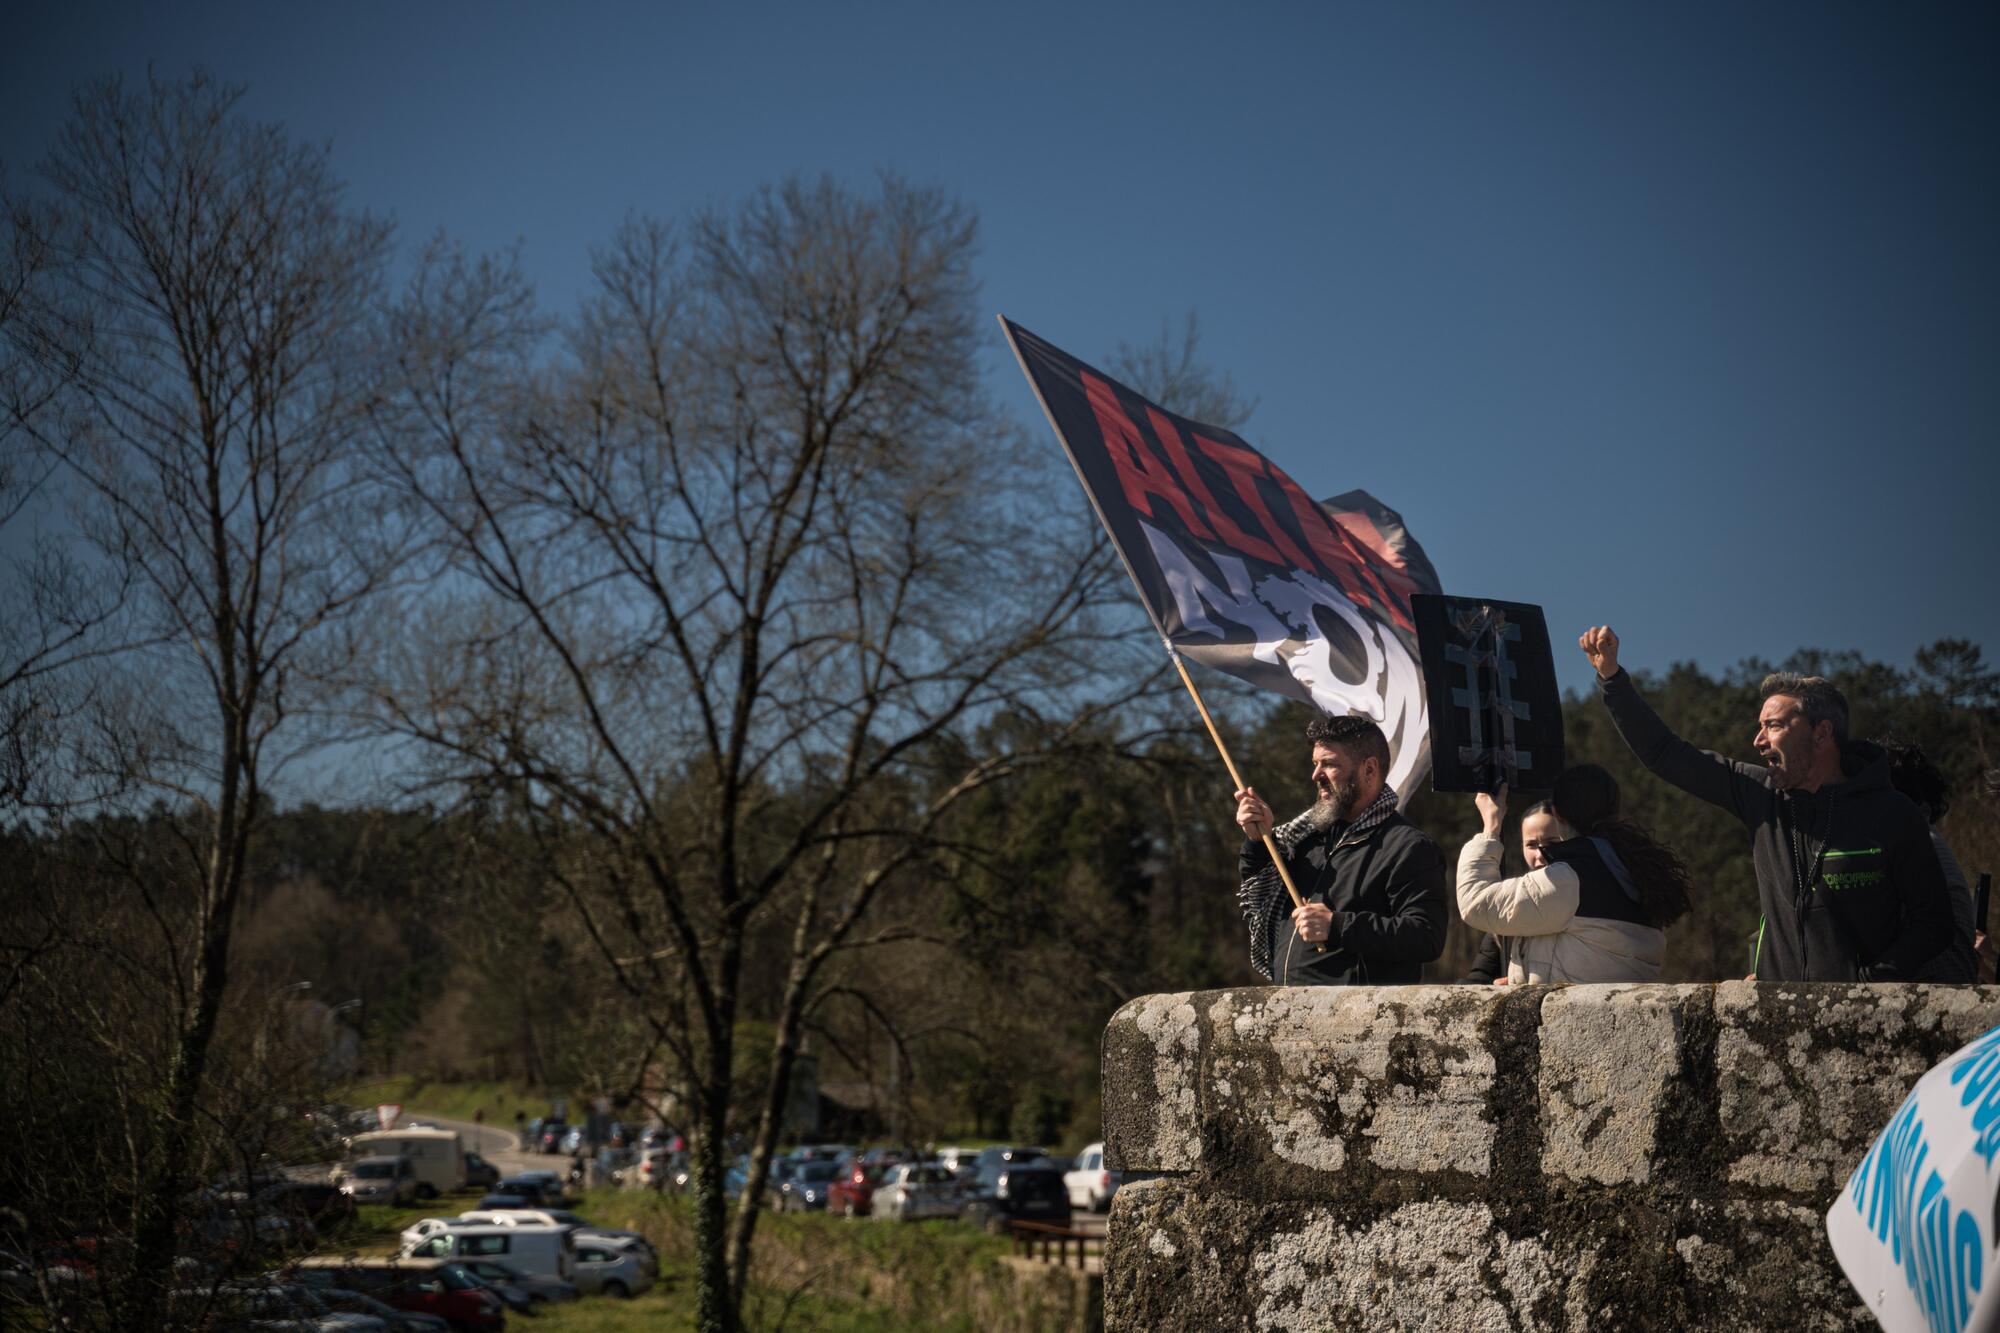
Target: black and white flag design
(1240, 570)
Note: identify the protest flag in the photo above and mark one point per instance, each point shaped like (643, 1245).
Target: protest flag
(1238, 569)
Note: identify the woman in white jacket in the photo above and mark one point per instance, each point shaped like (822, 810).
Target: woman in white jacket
(1598, 894)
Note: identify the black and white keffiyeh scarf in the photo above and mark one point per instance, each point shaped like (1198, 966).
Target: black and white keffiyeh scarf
(1263, 895)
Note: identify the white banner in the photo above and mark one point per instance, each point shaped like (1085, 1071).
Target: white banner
(1914, 1229)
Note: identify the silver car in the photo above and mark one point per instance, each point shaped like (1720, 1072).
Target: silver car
(389, 1180)
(916, 1190)
(601, 1270)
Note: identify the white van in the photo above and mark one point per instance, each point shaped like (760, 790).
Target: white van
(436, 1156)
(523, 1217)
(539, 1251)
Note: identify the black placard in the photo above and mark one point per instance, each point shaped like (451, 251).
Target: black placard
(1490, 683)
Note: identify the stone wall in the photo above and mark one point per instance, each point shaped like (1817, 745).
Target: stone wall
(1468, 1157)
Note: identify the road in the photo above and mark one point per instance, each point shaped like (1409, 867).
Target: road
(502, 1147)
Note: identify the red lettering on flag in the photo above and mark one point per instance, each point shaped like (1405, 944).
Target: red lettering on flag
(1242, 466)
(1130, 456)
(1337, 552)
(1235, 536)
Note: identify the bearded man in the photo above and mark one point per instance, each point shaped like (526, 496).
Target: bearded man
(1373, 884)
(1849, 883)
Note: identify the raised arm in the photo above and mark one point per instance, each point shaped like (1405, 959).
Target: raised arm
(1540, 902)
(1736, 787)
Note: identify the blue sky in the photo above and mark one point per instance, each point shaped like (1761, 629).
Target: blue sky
(1681, 317)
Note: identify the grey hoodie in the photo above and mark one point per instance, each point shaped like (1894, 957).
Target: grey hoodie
(1875, 906)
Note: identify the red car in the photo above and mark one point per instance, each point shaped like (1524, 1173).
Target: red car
(853, 1193)
(422, 1286)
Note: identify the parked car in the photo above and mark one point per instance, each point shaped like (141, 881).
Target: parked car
(510, 1295)
(553, 1187)
(1009, 1193)
(956, 1160)
(992, 1157)
(619, 1166)
(735, 1178)
(389, 1180)
(424, 1286)
(229, 1219)
(343, 1301)
(1090, 1186)
(852, 1194)
(267, 1306)
(480, 1174)
(602, 1270)
(822, 1152)
(320, 1205)
(806, 1190)
(662, 1169)
(559, 1217)
(547, 1251)
(571, 1141)
(540, 1290)
(916, 1190)
(425, 1227)
(533, 1191)
(503, 1202)
(549, 1138)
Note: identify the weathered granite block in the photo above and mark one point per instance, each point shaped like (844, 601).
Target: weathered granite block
(1808, 1074)
(1610, 1064)
(1583, 1157)
(1152, 1052)
(1177, 1258)
(1303, 1083)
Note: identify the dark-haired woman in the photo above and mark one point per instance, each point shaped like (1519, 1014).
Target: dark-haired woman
(1595, 908)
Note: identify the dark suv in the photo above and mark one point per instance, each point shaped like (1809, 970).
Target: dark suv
(1007, 1193)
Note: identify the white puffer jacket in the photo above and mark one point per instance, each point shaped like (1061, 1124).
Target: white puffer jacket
(1534, 917)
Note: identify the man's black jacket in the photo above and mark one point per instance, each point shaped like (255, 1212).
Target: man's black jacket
(1387, 893)
(1875, 909)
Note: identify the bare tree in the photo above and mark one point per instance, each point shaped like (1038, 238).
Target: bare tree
(1170, 370)
(738, 577)
(201, 324)
(51, 615)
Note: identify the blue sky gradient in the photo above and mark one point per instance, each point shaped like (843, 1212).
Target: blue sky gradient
(1681, 317)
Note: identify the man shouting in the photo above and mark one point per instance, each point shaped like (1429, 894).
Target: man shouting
(1373, 884)
(1850, 887)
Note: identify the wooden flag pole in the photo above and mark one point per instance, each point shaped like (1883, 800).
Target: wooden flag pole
(1270, 843)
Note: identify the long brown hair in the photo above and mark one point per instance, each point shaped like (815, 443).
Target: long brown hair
(1586, 798)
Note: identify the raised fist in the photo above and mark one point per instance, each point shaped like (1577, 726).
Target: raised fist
(1600, 645)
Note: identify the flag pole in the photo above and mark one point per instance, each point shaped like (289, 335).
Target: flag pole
(1270, 843)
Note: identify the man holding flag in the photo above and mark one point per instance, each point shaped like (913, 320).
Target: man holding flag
(1240, 571)
(1373, 883)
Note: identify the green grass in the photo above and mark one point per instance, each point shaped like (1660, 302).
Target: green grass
(454, 1101)
(670, 1308)
(834, 1272)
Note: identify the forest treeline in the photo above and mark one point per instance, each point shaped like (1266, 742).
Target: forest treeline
(1059, 895)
